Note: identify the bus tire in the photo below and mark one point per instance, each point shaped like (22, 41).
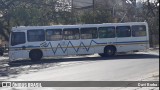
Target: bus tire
(35, 55)
(109, 51)
(1, 53)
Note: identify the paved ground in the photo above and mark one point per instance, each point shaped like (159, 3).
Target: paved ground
(131, 67)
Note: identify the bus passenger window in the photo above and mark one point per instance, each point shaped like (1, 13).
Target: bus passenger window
(138, 30)
(53, 34)
(71, 33)
(17, 38)
(106, 32)
(123, 31)
(89, 33)
(35, 35)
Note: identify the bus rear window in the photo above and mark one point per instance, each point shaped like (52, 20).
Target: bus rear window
(17, 38)
(35, 35)
(138, 30)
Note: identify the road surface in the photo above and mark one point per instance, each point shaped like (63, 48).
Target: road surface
(130, 67)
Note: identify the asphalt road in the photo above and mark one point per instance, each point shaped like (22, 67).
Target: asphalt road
(122, 67)
(130, 67)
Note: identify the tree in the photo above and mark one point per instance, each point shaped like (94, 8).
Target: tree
(49, 12)
(30, 12)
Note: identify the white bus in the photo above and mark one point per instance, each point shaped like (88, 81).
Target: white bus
(37, 42)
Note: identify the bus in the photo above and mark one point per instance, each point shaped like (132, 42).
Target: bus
(107, 39)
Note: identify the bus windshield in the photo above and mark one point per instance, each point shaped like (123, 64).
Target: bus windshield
(17, 38)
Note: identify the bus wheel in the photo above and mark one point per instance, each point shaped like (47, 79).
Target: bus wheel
(35, 55)
(1, 53)
(109, 51)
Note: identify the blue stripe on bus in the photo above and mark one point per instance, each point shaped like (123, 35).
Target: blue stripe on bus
(27, 47)
(131, 42)
(124, 42)
(64, 49)
(90, 43)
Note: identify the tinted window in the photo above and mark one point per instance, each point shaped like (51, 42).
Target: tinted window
(106, 32)
(71, 33)
(35, 35)
(89, 33)
(17, 38)
(138, 30)
(123, 31)
(53, 34)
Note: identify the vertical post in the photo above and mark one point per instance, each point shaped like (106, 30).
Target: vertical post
(135, 9)
(93, 12)
(123, 17)
(72, 12)
(113, 11)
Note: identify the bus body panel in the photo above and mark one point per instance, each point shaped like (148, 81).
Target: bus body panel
(55, 48)
(80, 46)
(102, 43)
(72, 46)
(86, 46)
(131, 43)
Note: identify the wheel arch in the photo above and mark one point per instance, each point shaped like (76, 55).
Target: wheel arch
(111, 46)
(34, 51)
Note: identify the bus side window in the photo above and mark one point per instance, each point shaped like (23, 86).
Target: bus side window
(106, 32)
(53, 34)
(89, 33)
(138, 30)
(71, 33)
(123, 31)
(35, 35)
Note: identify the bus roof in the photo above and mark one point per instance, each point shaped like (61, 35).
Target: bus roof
(74, 26)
